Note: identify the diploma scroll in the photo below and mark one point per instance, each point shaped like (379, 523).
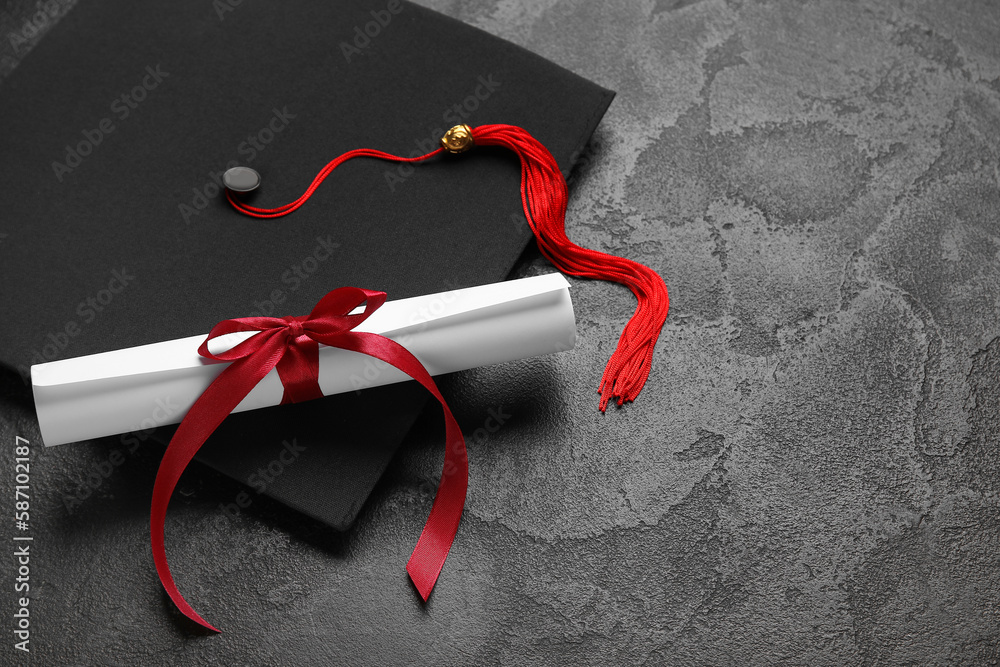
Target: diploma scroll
(149, 385)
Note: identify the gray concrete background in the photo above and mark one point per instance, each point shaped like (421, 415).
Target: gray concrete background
(809, 477)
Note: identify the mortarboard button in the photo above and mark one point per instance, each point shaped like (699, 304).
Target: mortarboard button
(241, 179)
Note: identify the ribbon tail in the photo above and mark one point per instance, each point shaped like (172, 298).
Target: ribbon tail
(439, 531)
(207, 413)
(299, 372)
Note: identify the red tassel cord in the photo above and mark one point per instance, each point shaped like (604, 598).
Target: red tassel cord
(544, 196)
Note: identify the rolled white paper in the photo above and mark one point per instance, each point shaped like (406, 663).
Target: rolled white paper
(141, 387)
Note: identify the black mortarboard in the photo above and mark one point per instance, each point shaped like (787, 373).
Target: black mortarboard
(117, 129)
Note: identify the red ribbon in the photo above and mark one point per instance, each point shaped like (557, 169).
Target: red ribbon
(291, 344)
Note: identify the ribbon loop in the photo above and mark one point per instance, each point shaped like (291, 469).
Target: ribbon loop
(291, 346)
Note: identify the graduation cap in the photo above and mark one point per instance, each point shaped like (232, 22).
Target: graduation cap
(120, 126)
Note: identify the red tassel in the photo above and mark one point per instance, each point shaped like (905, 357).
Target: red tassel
(544, 196)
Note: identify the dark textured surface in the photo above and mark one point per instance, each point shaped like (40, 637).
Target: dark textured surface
(811, 475)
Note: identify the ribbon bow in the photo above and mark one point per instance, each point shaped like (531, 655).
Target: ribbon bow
(291, 344)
